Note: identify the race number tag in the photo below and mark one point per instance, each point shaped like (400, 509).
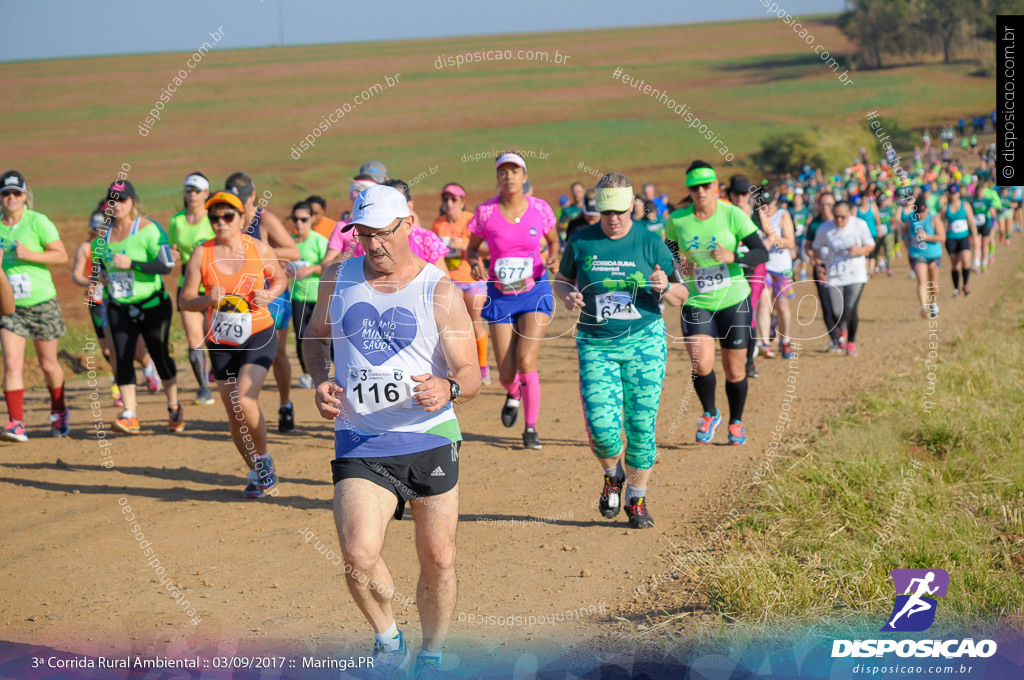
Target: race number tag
(512, 271)
(958, 225)
(979, 219)
(374, 388)
(616, 305)
(21, 284)
(838, 266)
(708, 279)
(122, 284)
(231, 328)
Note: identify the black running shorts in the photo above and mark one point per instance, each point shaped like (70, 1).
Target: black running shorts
(413, 475)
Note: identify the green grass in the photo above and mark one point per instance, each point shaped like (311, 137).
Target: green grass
(805, 549)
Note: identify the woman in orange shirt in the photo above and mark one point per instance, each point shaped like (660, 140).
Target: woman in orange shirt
(241, 339)
(453, 228)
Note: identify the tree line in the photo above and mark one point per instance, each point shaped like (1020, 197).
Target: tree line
(909, 28)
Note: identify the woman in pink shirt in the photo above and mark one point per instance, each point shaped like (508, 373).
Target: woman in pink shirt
(425, 244)
(519, 297)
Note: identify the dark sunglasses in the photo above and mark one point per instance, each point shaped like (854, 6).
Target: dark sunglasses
(193, 190)
(615, 212)
(12, 192)
(225, 217)
(119, 198)
(300, 219)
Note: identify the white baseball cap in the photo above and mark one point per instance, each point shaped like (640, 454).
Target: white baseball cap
(377, 207)
(510, 157)
(198, 182)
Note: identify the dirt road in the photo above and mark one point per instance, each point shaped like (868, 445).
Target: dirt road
(531, 543)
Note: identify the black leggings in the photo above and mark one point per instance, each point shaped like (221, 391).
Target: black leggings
(844, 300)
(302, 313)
(127, 322)
(827, 311)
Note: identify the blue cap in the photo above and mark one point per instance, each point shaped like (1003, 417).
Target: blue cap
(563, 200)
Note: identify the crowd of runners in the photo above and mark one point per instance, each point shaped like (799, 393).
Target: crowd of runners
(405, 310)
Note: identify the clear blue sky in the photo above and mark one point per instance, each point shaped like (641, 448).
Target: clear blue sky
(45, 29)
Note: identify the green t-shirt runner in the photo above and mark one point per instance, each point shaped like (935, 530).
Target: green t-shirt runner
(715, 285)
(32, 282)
(128, 286)
(613, 276)
(187, 236)
(311, 252)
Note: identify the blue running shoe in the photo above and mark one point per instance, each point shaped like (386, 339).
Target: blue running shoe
(427, 669)
(707, 426)
(736, 436)
(266, 472)
(390, 663)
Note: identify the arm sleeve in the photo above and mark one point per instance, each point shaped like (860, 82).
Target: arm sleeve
(567, 267)
(159, 252)
(47, 230)
(757, 254)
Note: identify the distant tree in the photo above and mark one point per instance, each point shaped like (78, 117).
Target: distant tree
(985, 21)
(878, 27)
(782, 152)
(948, 21)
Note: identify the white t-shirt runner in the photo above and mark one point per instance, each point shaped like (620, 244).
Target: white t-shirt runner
(381, 340)
(843, 268)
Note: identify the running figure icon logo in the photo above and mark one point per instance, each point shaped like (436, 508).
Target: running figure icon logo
(915, 605)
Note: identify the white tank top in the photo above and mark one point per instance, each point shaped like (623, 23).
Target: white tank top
(779, 259)
(380, 341)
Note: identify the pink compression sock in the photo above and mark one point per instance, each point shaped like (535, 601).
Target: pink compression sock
(530, 384)
(512, 387)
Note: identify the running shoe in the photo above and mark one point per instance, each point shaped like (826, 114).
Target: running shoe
(639, 518)
(204, 397)
(485, 375)
(935, 311)
(842, 340)
(786, 349)
(252, 486)
(956, 292)
(426, 668)
(752, 370)
(14, 431)
(286, 418)
(851, 349)
(707, 426)
(611, 497)
(176, 419)
(530, 439)
(153, 383)
(115, 394)
(984, 268)
(925, 311)
(967, 291)
(766, 349)
(306, 381)
(267, 472)
(510, 411)
(61, 423)
(387, 662)
(736, 436)
(127, 423)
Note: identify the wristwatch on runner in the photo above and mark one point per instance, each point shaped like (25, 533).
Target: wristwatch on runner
(456, 390)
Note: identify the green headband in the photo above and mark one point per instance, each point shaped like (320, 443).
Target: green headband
(618, 199)
(700, 176)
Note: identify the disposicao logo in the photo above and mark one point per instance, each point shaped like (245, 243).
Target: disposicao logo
(916, 590)
(913, 612)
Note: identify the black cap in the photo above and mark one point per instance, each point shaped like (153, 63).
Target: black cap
(739, 184)
(121, 188)
(12, 179)
(590, 206)
(650, 209)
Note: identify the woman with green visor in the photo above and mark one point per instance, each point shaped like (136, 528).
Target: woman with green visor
(616, 274)
(705, 237)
